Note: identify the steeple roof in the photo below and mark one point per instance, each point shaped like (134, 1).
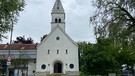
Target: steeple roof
(58, 8)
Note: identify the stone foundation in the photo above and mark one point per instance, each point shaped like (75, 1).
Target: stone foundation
(72, 73)
(68, 73)
(42, 73)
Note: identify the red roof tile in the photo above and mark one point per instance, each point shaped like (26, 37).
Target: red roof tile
(18, 46)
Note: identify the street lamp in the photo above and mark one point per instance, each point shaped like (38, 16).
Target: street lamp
(9, 57)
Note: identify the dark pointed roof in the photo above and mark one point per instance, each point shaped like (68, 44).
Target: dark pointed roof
(58, 8)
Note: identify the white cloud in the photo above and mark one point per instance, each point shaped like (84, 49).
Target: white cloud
(35, 20)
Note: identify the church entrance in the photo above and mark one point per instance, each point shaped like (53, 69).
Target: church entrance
(58, 67)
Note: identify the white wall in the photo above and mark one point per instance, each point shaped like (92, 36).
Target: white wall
(62, 17)
(53, 45)
(31, 68)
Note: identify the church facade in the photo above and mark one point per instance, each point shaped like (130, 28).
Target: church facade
(57, 53)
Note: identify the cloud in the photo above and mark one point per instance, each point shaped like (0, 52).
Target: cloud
(35, 2)
(35, 20)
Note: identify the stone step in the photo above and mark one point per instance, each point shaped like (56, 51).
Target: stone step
(57, 74)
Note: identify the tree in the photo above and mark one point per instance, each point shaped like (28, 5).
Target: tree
(9, 11)
(99, 58)
(3, 65)
(103, 57)
(115, 19)
(22, 40)
(81, 49)
(42, 38)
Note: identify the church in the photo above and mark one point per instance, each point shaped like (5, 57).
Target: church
(57, 54)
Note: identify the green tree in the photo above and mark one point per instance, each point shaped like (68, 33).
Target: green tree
(115, 19)
(82, 47)
(42, 38)
(9, 11)
(99, 58)
(2, 65)
(116, 14)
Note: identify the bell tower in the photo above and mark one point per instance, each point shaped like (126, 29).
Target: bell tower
(58, 15)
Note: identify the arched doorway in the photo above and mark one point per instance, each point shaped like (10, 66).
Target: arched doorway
(58, 67)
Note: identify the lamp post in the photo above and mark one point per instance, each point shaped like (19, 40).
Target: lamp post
(9, 57)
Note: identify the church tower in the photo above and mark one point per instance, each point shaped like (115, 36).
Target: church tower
(58, 15)
(57, 54)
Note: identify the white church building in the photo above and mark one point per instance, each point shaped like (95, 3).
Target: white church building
(57, 53)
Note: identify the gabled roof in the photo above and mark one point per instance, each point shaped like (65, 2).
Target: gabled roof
(58, 27)
(18, 46)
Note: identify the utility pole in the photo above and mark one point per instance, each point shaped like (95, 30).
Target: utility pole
(9, 55)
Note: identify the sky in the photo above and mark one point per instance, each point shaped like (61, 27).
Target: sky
(35, 20)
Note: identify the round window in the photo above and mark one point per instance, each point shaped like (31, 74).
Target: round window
(57, 38)
(71, 66)
(43, 66)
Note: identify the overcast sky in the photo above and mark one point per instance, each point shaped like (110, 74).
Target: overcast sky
(35, 20)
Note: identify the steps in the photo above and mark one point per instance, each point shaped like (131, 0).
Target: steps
(57, 74)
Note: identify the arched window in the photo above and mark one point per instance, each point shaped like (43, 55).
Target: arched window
(59, 20)
(48, 51)
(56, 20)
(57, 7)
(66, 51)
(57, 51)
